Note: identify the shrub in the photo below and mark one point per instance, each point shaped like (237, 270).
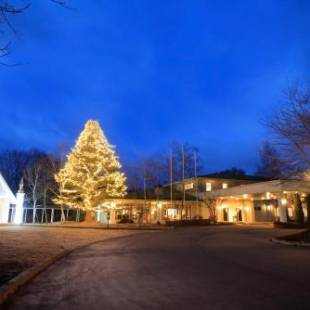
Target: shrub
(125, 220)
(299, 214)
(308, 209)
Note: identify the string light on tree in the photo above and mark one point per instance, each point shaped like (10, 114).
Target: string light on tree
(92, 171)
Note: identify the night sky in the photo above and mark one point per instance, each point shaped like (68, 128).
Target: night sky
(205, 72)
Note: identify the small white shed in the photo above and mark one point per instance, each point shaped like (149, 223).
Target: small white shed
(6, 199)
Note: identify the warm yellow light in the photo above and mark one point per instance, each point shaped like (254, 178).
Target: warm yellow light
(268, 195)
(284, 201)
(159, 205)
(245, 196)
(247, 209)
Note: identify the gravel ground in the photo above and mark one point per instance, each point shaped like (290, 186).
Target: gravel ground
(23, 247)
(214, 268)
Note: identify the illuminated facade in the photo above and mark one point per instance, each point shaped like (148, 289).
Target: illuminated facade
(150, 211)
(258, 202)
(247, 199)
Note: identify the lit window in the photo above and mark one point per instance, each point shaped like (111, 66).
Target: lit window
(290, 212)
(208, 187)
(189, 186)
(225, 185)
(172, 212)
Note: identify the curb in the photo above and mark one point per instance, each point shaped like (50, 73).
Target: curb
(10, 288)
(26, 276)
(137, 228)
(291, 243)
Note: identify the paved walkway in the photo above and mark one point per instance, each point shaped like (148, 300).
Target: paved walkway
(233, 267)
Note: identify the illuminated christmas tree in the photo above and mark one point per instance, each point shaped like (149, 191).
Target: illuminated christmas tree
(92, 172)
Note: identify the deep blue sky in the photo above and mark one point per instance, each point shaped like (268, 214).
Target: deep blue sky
(206, 72)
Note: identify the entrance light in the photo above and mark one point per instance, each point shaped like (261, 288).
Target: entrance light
(284, 201)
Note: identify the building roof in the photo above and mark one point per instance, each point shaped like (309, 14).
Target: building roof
(245, 177)
(273, 186)
(5, 191)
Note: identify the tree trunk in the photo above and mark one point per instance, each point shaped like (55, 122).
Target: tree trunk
(44, 204)
(34, 212)
(63, 217)
(89, 217)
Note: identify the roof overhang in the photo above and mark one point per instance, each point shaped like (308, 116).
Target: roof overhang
(276, 186)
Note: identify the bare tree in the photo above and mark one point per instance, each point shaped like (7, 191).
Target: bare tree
(9, 9)
(12, 165)
(189, 160)
(134, 174)
(291, 127)
(33, 176)
(155, 169)
(55, 163)
(210, 203)
(270, 164)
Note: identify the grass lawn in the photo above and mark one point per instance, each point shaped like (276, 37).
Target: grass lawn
(22, 247)
(303, 236)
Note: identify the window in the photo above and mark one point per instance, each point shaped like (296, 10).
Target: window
(290, 212)
(189, 186)
(224, 185)
(257, 208)
(172, 212)
(208, 187)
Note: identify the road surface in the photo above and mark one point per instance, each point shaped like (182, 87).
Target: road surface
(225, 267)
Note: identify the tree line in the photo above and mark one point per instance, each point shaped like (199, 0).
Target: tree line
(37, 169)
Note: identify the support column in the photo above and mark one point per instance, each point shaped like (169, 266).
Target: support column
(112, 216)
(282, 206)
(18, 217)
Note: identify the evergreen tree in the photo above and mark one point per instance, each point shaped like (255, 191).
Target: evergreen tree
(92, 171)
(308, 209)
(299, 214)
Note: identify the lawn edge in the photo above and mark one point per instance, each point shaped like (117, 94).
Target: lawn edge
(23, 278)
(281, 240)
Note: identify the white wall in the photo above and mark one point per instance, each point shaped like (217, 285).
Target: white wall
(4, 210)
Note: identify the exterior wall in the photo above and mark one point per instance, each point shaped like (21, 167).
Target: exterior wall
(152, 212)
(266, 210)
(204, 213)
(233, 207)
(4, 210)
(216, 184)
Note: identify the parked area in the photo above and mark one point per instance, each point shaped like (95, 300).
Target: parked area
(22, 247)
(213, 267)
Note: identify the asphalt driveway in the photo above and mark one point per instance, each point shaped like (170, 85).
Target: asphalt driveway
(228, 267)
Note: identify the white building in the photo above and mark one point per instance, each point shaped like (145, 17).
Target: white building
(7, 198)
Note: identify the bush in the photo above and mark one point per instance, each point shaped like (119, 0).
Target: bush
(289, 225)
(125, 220)
(308, 209)
(195, 222)
(299, 214)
